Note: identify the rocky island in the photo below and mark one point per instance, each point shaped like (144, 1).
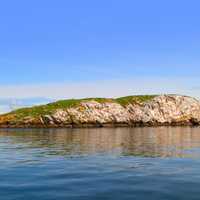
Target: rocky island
(146, 110)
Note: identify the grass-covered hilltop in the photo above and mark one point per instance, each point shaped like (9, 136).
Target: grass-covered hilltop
(100, 112)
(72, 103)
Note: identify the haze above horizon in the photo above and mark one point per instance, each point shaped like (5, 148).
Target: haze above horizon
(107, 48)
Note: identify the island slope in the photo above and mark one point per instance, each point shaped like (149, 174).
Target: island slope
(154, 110)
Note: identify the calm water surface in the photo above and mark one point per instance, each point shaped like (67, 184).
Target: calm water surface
(121, 163)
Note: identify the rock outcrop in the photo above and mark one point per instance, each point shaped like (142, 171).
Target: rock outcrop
(160, 110)
(166, 109)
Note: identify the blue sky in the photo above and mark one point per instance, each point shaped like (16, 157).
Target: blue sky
(140, 46)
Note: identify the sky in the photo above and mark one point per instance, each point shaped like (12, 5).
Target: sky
(73, 49)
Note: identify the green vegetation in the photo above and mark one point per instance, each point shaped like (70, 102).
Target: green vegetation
(133, 99)
(49, 108)
(63, 104)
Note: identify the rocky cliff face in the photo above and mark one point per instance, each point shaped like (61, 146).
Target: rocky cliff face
(161, 110)
(167, 109)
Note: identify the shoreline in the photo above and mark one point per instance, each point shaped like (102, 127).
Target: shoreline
(132, 111)
(85, 126)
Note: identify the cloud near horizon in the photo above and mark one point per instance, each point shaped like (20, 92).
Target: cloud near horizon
(109, 88)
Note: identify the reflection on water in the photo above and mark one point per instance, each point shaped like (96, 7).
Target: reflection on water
(113, 164)
(148, 142)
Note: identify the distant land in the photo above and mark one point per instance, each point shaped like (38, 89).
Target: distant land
(141, 110)
(9, 104)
